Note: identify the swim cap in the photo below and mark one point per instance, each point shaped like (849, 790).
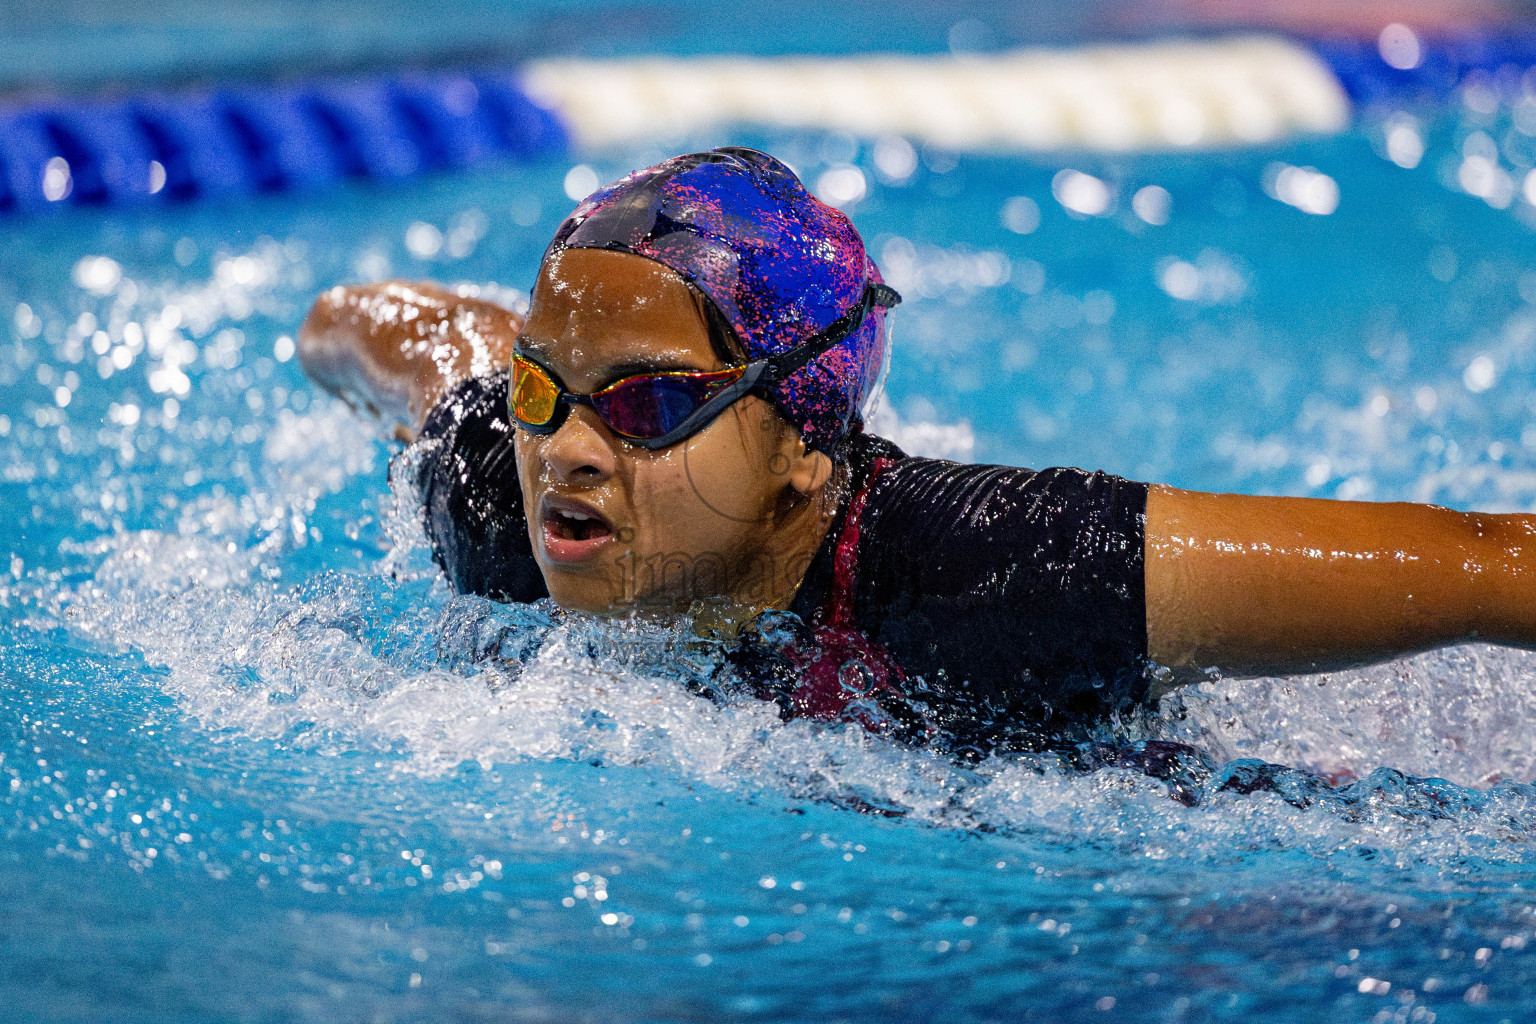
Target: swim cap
(779, 264)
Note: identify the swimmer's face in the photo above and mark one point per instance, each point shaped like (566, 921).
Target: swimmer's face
(616, 527)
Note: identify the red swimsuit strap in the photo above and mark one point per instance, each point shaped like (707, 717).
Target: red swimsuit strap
(838, 611)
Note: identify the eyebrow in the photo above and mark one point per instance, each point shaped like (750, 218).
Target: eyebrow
(618, 371)
(623, 370)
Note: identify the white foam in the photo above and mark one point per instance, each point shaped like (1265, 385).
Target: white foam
(352, 663)
(358, 664)
(1467, 714)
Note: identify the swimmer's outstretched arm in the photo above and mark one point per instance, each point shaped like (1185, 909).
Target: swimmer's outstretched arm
(393, 349)
(1258, 586)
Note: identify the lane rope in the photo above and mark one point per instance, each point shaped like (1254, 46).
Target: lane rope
(150, 147)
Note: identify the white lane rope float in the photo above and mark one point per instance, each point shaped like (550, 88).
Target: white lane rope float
(1165, 95)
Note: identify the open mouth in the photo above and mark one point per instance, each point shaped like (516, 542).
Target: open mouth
(569, 525)
(573, 532)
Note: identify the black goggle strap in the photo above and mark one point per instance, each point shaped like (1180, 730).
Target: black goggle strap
(787, 363)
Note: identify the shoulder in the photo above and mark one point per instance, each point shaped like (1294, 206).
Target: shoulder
(934, 501)
(1023, 587)
(472, 501)
(479, 403)
(467, 437)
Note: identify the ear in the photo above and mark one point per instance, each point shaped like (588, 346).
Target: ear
(809, 470)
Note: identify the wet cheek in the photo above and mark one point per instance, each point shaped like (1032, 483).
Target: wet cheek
(669, 515)
(525, 448)
(531, 471)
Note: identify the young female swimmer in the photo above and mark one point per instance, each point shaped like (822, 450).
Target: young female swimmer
(679, 430)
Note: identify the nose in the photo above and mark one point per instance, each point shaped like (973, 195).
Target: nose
(581, 452)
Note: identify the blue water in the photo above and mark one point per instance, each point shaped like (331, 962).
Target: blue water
(257, 763)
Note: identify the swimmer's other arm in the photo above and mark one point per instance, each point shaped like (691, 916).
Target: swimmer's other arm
(393, 349)
(1261, 586)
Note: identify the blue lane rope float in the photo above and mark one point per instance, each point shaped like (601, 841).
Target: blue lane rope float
(160, 147)
(1436, 66)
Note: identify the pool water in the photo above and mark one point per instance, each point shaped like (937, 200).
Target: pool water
(258, 763)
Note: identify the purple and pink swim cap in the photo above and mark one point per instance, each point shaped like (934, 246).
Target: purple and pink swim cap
(778, 263)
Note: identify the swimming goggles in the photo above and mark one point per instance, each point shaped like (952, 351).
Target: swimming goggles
(657, 410)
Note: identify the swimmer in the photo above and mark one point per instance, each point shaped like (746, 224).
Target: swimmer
(675, 429)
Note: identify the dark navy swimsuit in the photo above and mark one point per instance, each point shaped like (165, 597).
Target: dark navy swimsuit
(983, 604)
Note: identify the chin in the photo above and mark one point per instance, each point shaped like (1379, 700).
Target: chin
(594, 597)
(593, 589)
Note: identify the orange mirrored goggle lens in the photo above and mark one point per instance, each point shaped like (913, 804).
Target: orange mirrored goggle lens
(534, 395)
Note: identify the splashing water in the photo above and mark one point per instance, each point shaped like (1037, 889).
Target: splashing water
(254, 753)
